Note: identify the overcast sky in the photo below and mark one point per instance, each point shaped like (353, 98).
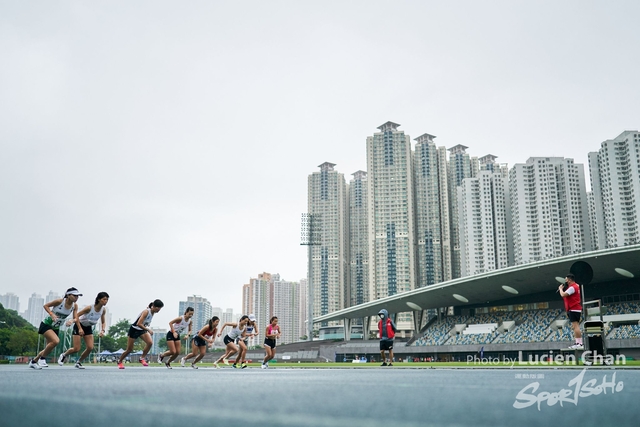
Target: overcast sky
(161, 149)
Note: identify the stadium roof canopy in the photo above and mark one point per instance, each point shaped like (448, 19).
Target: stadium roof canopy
(528, 279)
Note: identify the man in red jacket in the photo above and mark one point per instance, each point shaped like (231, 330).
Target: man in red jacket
(386, 331)
(573, 306)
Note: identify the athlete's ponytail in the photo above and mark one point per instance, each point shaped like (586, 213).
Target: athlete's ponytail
(188, 310)
(157, 303)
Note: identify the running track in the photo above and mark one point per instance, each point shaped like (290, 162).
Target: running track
(154, 396)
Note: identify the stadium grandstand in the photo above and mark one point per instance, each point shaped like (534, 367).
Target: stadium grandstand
(503, 313)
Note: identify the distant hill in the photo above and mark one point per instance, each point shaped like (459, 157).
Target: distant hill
(11, 318)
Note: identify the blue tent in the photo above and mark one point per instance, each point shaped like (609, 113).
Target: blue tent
(106, 353)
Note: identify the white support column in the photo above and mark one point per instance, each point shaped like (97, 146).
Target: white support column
(347, 329)
(365, 327)
(417, 321)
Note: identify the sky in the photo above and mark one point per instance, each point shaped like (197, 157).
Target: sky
(157, 149)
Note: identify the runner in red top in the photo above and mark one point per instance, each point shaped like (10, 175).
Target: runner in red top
(200, 341)
(272, 333)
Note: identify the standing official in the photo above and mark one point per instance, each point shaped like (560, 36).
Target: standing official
(570, 293)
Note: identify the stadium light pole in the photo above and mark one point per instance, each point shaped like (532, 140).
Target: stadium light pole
(310, 237)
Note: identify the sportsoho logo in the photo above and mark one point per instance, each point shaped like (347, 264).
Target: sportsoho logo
(576, 389)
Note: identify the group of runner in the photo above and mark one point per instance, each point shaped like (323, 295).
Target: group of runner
(84, 321)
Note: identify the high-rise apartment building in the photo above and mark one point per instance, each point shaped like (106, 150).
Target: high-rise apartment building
(10, 301)
(52, 296)
(285, 306)
(391, 214)
(461, 166)
(549, 209)
(615, 169)
(158, 334)
(227, 316)
(258, 300)
(593, 220)
(358, 240)
(216, 311)
(484, 228)
(327, 197)
(202, 310)
(268, 296)
(303, 304)
(35, 312)
(432, 212)
(247, 302)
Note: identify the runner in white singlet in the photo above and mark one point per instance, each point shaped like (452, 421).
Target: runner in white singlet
(88, 317)
(243, 344)
(58, 310)
(237, 329)
(140, 329)
(177, 327)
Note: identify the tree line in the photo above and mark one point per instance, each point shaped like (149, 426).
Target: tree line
(19, 338)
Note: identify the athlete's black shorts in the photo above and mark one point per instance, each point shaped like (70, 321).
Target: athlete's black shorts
(574, 316)
(88, 330)
(270, 342)
(228, 340)
(198, 341)
(171, 338)
(386, 345)
(136, 333)
(44, 328)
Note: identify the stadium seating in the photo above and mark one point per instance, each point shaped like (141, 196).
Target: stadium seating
(530, 326)
(624, 332)
(623, 308)
(438, 333)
